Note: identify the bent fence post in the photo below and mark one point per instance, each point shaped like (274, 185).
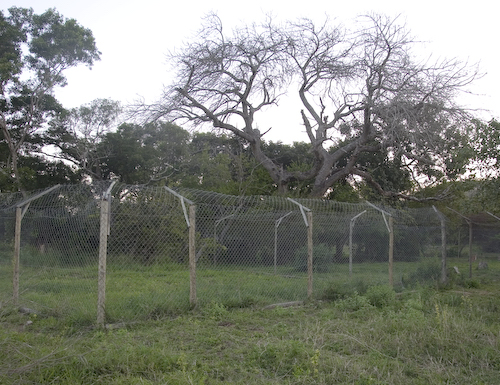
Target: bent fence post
(276, 225)
(307, 216)
(309, 255)
(190, 217)
(351, 229)
(21, 209)
(390, 228)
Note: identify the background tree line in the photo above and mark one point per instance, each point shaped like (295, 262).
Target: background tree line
(380, 124)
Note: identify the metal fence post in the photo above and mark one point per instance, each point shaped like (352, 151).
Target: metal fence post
(307, 216)
(469, 223)
(390, 228)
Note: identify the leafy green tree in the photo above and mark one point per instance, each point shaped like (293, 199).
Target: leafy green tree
(35, 50)
(485, 143)
(223, 164)
(78, 134)
(144, 154)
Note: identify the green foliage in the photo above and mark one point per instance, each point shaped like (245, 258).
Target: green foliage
(354, 302)
(78, 134)
(145, 154)
(209, 251)
(339, 290)
(35, 52)
(215, 311)
(381, 296)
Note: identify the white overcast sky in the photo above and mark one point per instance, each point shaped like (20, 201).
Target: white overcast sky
(134, 36)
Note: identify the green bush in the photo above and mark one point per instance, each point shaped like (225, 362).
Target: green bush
(381, 296)
(427, 272)
(353, 303)
(337, 290)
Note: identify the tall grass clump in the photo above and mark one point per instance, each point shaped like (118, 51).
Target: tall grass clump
(427, 272)
(381, 296)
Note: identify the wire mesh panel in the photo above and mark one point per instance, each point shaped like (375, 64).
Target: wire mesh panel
(350, 244)
(147, 261)
(57, 265)
(473, 242)
(418, 247)
(249, 249)
(7, 224)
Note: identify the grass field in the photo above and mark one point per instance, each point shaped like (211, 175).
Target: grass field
(354, 331)
(139, 292)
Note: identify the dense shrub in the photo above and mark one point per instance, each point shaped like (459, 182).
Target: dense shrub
(381, 296)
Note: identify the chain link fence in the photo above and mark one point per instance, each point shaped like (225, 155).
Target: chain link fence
(119, 252)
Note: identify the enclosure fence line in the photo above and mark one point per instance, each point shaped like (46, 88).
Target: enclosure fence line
(139, 244)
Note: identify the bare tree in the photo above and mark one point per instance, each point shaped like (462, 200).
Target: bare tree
(362, 92)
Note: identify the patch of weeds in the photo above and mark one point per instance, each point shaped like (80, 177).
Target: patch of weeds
(471, 283)
(335, 291)
(353, 303)
(284, 358)
(381, 296)
(340, 290)
(411, 314)
(368, 381)
(215, 311)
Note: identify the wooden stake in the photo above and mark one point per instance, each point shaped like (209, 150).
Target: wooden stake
(103, 249)
(17, 255)
(391, 250)
(192, 255)
(309, 255)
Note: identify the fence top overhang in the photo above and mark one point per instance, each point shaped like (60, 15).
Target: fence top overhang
(36, 196)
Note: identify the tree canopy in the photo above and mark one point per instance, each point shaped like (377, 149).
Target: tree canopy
(362, 92)
(378, 121)
(35, 50)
